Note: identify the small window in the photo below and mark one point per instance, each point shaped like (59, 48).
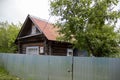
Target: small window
(33, 30)
(41, 49)
(32, 50)
(69, 52)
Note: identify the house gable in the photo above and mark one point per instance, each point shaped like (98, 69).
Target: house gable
(28, 28)
(42, 27)
(48, 29)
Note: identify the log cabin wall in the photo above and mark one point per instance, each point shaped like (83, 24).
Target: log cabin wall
(50, 47)
(31, 42)
(33, 34)
(30, 45)
(60, 49)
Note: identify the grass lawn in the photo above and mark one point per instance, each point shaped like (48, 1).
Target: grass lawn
(4, 75)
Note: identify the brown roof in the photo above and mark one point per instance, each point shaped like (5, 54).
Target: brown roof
(47, 28)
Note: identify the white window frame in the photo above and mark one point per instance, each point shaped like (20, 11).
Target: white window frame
(69, 52)
(41, 49)
(33, 31)
(34, 50)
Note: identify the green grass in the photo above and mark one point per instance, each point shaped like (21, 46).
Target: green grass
(4, 75)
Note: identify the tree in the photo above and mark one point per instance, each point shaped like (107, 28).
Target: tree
(89, 24)
(8, 33)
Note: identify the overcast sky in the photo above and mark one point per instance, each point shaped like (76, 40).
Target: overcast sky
(17, 10)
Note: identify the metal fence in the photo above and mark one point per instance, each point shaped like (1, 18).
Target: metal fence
(36, 67)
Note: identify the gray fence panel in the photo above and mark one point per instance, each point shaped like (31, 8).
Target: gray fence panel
(41, 67)
(114, 68)
(96, 68)
(28, 67)
(10, 64)
(18, 65)
(60, 68)
(5, 59)
(36, 67)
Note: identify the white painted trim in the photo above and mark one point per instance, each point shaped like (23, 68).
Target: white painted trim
(69, 52)
(42, 49)
(33, 30)
(32, 50)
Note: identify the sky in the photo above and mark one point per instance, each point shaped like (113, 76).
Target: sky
(17, 10)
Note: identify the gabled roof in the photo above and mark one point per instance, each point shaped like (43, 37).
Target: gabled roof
(46, 28)
(50, 32)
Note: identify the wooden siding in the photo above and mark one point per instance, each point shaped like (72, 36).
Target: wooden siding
(42, 37)
(50, 47)
(29, 42)
(30, 45)
(59, 48)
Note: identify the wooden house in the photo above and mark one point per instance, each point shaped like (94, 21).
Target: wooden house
(38, 36)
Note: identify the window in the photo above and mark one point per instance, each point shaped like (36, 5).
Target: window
(41, 49)
(33, 30)
(69, 52)
(32, 50)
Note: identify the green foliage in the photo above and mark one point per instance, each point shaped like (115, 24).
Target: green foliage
(89, 24)
(8, 33)
(4, 75)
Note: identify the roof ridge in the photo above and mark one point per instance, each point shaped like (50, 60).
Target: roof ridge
(40, 19)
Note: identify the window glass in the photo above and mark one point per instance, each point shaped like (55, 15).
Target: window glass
(69, 52)
(32, 50)
(41, 49)
(33, 30)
